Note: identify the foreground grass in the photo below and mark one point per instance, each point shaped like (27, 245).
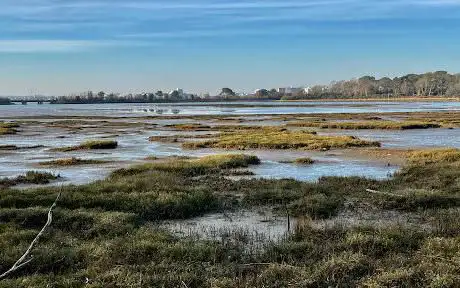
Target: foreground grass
(71, 162)
(279, 140)
(103, 235)
(90, 145)
(385, 125)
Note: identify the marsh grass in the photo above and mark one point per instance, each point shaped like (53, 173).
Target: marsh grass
(9, 125)
(280, 140)
(304, 161)
(430, 156)
(8, 131)
(189, 127)
(103, 234)
(178, 138)
(14, 147)
(72, 162)
(8, 128)
(31, 177)
(90, 145)
(194, 167)
(9, 147)
(376, 124)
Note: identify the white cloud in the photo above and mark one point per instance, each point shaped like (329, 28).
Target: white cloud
(37, 46)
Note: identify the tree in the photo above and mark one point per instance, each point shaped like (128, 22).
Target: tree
(385, 86)
(262, 93)
(101, 95)
(175, 95)
(454, 90)
(366, 85)
(159, 94)
(227, 92)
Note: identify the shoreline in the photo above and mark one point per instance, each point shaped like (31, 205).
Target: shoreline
(400, 99)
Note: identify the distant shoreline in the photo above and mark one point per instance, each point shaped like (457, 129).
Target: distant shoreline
(399, 99)
(212, 101)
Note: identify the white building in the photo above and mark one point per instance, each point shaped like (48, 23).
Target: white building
(290, 90)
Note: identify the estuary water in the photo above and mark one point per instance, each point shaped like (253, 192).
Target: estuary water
(221, 108)
(134, 145)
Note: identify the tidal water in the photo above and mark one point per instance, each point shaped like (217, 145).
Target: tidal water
(222, 108)
(134, 145)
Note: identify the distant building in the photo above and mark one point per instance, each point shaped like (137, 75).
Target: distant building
(180, 94)
(290, 90)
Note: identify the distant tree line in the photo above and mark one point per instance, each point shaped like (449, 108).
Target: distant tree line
(432, 84)
(5, 101)
(102, 97)
(440, 84)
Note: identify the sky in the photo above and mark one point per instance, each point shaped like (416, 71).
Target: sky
(59, 47)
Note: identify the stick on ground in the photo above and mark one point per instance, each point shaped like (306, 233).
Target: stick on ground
(22, 261)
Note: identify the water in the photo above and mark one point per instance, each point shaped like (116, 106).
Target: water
(134, 145)
(254, 227)
(417, 138)
(339, 167)
(223, 108)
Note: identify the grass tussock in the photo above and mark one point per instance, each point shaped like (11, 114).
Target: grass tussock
(8, 128)
(194, 167)
(430, 156)
(9, 147)
(189, 127)
(280, 140)
(90, 145)
(304, 161)
(72, 162)
(8, 131)
(31, 177)
(9, 125)
(376, 124)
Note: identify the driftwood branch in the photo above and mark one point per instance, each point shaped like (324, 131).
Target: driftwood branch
(23, 261)
(383, 193)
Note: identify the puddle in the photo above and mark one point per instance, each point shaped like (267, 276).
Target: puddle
(276, 170)
(253, 227)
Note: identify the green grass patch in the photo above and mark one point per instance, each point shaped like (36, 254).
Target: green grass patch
(384, 125)
(280, 140)
(8, 131)
(9, 147)
(304, 161)
(31, 177)
(90, 145)
(189, 127)
(194, 167)
(72, 162)
(430, 156)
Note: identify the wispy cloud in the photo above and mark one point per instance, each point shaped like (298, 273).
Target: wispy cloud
(56, 46)
(80, 20)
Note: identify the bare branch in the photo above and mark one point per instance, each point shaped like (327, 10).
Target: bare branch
(22, 261)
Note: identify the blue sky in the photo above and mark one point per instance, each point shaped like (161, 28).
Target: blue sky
(64, 46)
